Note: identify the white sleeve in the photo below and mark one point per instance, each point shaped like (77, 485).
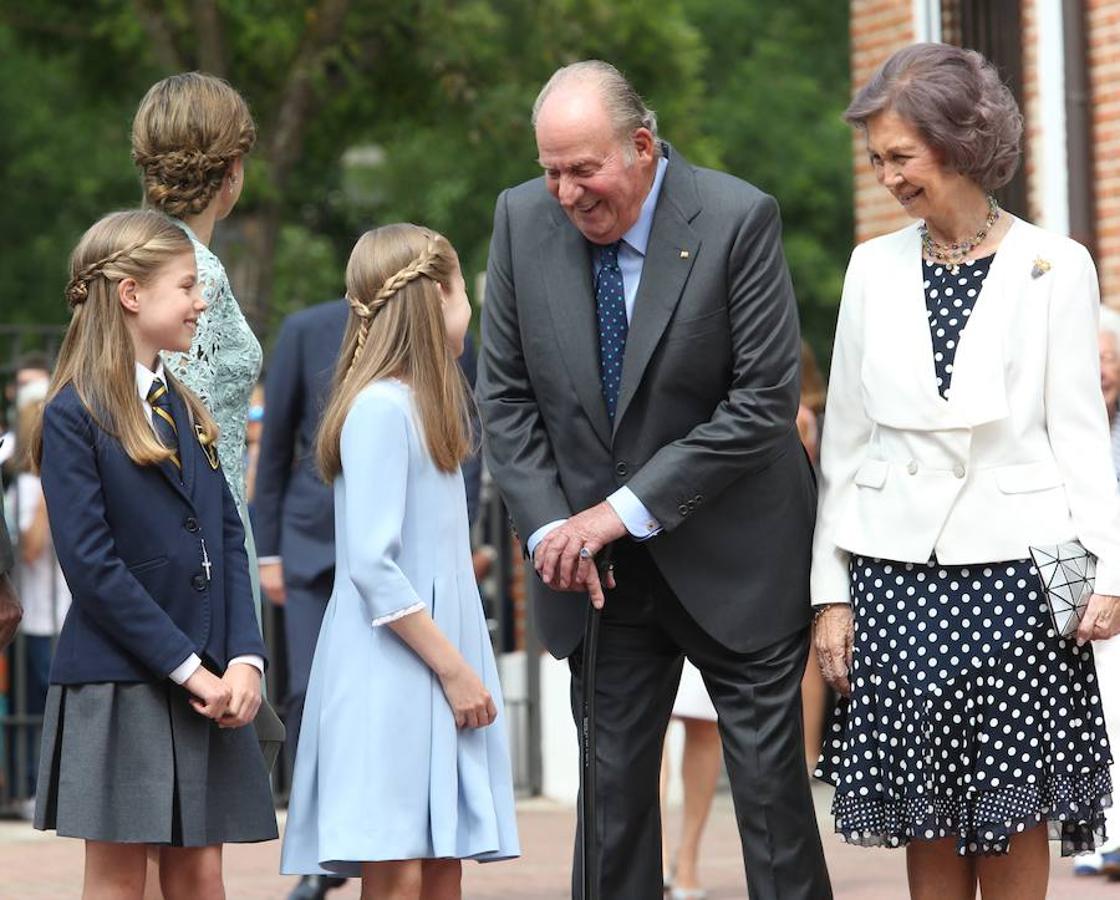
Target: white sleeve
(1076, 420)
(847, 430)
(375, 472)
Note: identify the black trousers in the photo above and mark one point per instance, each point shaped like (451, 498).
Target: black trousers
(644, 635)
(303, 618)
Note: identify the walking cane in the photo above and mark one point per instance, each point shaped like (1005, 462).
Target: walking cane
(589, 849)
(589, 835)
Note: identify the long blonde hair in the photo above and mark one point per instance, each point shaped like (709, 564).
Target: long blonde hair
(97, 354)
(187, 132)
(396, 329)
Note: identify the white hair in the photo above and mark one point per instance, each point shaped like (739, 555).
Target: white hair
(625, 107)
(1110, 324)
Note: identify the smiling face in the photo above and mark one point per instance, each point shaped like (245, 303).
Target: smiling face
(599, 180)
(163, 312)
(910, 168)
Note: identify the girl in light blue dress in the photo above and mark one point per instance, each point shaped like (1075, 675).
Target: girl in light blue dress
(403, 767)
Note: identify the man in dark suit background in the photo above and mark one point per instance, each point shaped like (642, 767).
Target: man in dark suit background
(638, 383)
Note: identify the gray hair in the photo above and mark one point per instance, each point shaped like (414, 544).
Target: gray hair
(958, 103)
(625, 107)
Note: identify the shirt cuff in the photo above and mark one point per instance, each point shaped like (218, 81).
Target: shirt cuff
(539, 535)
(639, 521)
(249, 659)
(268, 560)
(185, 669)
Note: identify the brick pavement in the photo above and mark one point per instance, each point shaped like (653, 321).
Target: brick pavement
(33, 865)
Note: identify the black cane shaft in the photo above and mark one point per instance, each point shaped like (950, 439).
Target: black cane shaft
(589, 846)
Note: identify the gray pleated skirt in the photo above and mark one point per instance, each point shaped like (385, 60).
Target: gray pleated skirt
(134, 763)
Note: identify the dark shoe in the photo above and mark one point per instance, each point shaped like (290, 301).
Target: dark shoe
(315, 887)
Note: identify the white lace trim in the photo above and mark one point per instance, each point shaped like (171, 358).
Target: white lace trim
(399, 614)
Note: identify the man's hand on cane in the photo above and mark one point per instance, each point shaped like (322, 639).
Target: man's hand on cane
(565, 557)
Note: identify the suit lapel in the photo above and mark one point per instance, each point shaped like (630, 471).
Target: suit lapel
(670, 253)
(566, 263)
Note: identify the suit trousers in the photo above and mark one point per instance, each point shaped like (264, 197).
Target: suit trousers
(303, 617)
(644, 634)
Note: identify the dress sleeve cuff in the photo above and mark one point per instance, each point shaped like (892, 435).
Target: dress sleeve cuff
(639, 521)
(399, 614)
(185, 669)
(268, 560)
(249, 659)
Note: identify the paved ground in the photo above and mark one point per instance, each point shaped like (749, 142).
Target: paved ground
(33, 865)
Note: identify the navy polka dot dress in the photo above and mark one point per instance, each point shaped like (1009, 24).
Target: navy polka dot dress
(969, 717)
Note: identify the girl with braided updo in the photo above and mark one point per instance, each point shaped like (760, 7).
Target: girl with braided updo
(159, 661)
(190, 137)
(402, 768)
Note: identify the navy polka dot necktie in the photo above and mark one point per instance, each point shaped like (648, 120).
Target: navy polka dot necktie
(610, 305)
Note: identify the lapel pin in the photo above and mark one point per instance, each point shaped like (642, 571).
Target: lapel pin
(684, 254)
(1041, 267)
(207, 446)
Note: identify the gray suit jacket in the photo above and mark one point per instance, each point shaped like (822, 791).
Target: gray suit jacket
(705, 430)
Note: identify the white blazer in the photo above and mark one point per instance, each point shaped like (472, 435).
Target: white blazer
(1019, 454)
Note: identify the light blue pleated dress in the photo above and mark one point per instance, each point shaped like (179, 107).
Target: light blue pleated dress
(381, 771)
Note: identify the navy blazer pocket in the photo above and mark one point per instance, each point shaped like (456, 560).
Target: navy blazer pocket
(147, 565)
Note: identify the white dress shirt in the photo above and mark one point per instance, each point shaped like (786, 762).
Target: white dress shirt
(180, 674)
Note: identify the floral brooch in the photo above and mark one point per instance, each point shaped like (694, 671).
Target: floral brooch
(1041, 267)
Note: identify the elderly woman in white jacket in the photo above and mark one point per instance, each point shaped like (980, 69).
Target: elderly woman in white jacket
(968, 730)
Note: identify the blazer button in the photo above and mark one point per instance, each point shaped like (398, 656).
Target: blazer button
(621, 469)
(683, 509)
(199, 582)
(958, 470)
(912, 467)
(191, 524)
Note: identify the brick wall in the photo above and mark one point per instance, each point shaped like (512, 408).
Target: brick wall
(878, 28)
(1103, 26)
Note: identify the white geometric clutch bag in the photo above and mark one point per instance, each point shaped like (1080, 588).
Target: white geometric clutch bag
(1067, 572)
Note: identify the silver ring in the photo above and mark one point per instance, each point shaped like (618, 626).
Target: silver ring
(584, 553)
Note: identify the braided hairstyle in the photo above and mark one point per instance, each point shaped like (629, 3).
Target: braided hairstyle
(187, 132)
(395, 283)
(98, 356)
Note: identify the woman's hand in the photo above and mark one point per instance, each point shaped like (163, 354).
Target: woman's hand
(470, 702)
(833, 633)
(210, 695)
(1101, 620)
(244, 683)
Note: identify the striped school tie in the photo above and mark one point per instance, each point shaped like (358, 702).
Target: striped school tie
(163, 422)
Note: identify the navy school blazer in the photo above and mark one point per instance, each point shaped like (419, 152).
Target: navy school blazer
(133, 542)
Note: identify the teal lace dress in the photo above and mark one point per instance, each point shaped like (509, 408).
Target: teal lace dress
(222, 367)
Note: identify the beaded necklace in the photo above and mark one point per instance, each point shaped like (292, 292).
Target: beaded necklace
(952, 255)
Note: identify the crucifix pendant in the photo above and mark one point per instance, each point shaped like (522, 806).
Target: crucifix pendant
(206, 564)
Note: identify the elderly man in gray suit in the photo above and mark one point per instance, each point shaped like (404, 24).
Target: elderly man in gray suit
(639, 387)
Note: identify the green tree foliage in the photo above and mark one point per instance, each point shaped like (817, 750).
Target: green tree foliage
(371, 112)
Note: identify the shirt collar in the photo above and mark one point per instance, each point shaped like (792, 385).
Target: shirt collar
(637, 238)
(145, 377)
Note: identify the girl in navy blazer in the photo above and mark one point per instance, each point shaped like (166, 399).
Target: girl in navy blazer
(159, 662)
